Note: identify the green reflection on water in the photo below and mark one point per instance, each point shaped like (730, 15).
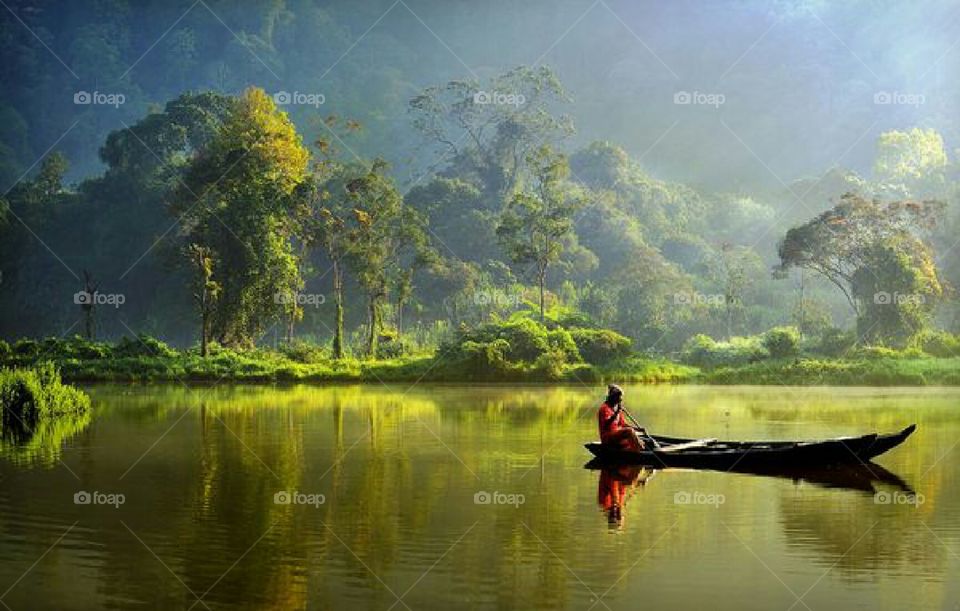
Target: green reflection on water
(399, 470)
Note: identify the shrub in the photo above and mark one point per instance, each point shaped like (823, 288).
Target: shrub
(836, 342)
(598, 346)
(303, 352)
(939, 343)
(703, 351)
(4, 349)
(27, 348)
(28, 395)
(483, 360)
(142, 345)
(550, 365)
(561, 342)
(782, 342)
(527, 339)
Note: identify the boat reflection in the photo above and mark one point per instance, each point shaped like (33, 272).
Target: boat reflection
(862, 477)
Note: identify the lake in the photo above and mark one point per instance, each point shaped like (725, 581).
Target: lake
(460, 497)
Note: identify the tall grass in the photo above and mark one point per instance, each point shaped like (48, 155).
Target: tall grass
(32, 395)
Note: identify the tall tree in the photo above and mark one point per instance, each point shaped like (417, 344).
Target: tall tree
(238, 201)
(537, 222)
(488, 130)
(859, 239)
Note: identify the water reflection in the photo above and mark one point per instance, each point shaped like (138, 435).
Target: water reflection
(400, 470)
(41, 442)
(863, 477)
(615, 487)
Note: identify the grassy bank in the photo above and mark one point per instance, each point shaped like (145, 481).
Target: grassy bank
(906, 371)
(269, 366)
(147, 360)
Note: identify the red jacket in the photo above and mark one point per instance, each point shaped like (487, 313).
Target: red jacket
(608, 423)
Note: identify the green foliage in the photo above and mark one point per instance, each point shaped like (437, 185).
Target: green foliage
(885, 368)
(835, 342)
(782, 342)
(598, 346)
(939, 343)
(30, 395)
(703, 351)
(303, 352)
(238, 199)
(142, 345)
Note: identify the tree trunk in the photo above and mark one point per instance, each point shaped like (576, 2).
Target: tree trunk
(374, 321)
(290, 329)
(399, 318)
(204, 333)
(88, 322)
(542, 277)
(338, 323)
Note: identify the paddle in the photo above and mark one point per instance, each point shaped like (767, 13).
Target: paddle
(636, 424)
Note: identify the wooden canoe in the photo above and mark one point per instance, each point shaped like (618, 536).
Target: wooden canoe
(729, 455)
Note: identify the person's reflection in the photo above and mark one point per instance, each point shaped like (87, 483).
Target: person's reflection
(612, 491)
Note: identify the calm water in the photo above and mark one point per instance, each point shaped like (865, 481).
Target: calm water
(384, 487)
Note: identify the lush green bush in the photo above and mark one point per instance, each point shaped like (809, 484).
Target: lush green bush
(939, 343)
(142, 345)
(599, 346)
(836, 342)
(28, 395)
(302, 352)
(4, 349)
(26, 348)
(704, 351)
(782, 342)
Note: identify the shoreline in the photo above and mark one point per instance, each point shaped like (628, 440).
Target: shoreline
(802, 372)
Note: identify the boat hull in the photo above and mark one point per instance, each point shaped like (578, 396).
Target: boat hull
(731, 455)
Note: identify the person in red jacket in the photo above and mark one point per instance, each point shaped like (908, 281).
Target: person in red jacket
(613, 428)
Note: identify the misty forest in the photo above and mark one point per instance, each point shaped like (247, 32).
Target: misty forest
(483, 200)
(451, 304)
